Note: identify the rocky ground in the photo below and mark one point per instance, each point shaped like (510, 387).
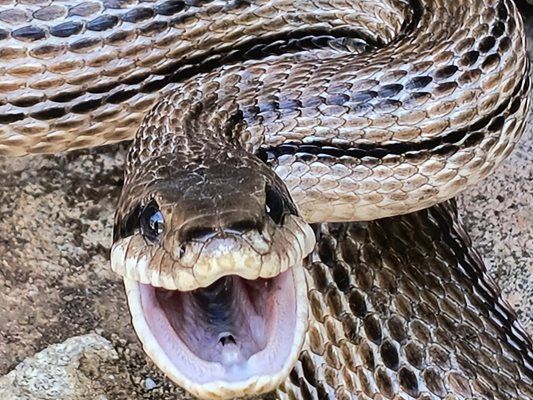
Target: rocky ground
(59, 297)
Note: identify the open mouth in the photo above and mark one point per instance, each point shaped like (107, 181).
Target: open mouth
(229, 339)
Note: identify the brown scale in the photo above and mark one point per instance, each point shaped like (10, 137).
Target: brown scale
(413, 107)
(409, 329)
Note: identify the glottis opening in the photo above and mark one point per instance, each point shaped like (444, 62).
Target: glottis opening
(231, 338)
(227, 322)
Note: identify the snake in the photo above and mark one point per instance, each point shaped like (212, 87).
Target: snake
(285, 221)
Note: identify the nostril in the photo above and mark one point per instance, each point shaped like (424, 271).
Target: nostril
(180, 250)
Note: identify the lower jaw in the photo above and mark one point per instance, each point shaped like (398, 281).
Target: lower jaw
(257, 373)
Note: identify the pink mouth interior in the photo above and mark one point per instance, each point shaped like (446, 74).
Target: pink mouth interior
(231, 331)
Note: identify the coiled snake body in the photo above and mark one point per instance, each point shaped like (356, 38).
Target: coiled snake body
(259, 118)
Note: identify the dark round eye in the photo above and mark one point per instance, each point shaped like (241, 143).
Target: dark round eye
(151, 221)
(274, 204)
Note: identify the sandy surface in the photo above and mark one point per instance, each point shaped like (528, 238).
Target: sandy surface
(56, 216)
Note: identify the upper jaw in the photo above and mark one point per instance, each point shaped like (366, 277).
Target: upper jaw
(204, 263)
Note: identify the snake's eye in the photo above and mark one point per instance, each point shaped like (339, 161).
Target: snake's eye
(274, 204)
(151, 221)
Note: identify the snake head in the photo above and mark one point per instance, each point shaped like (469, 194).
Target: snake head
(212, 258)
(199, 223)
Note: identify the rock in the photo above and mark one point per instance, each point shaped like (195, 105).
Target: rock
(74, 369)
(149, 384)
